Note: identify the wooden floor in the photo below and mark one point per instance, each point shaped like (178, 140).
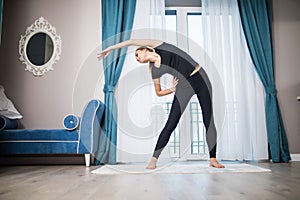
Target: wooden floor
(76, 182)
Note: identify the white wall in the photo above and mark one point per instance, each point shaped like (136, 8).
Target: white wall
(286, 27)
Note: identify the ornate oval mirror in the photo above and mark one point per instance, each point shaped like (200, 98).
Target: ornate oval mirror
(40, 47)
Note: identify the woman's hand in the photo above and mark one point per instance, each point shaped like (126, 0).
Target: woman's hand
(175, 83)
(103, 54)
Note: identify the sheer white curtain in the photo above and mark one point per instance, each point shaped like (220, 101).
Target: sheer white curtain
(140, 120)
(238, 92)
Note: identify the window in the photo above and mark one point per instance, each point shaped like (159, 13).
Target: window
(184, 25)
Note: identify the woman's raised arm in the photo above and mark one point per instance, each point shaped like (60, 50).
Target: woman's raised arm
(131, 42)
(145, 42)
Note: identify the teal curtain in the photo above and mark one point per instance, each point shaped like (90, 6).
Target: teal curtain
(256, 17)
(117, 21)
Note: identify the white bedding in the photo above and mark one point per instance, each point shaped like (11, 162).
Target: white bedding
(7, 108)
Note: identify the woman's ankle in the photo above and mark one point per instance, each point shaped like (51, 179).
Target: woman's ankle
(152, 163)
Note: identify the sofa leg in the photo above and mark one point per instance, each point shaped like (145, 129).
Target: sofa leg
(87, 159)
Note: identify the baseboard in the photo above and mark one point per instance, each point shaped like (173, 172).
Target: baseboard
(47, 159)
(295, 157)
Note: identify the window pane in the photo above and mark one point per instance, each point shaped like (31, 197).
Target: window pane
(198, 144)
(194, 25)
(195, 44)
(171, 26)
(171, 20)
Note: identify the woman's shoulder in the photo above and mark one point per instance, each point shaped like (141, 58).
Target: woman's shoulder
(167, 47)
(157, 43)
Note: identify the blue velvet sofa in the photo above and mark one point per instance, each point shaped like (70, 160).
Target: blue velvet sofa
(82, 140)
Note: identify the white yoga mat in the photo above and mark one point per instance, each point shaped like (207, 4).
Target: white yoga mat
(201, 168)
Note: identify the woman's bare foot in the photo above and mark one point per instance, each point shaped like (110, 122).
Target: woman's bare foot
(152, 163)
(215, 163)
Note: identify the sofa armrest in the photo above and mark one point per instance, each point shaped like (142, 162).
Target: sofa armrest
(90, 126)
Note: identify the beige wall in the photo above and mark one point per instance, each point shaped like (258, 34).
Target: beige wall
(44, 101)
(286, 19)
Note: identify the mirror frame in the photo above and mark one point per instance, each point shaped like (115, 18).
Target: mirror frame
(41, 25)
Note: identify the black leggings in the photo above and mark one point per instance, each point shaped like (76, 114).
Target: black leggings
(198, 84)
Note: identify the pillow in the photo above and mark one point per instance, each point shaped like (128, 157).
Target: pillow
(6, 123)
(7, 108)
(71, 122)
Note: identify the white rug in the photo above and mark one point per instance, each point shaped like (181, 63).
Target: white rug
(175, 168)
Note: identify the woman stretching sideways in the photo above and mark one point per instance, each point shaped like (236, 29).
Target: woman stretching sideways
(189, 79)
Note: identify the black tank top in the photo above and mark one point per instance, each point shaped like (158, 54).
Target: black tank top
(174, 61)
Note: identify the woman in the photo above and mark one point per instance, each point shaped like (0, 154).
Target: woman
(189, 79)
